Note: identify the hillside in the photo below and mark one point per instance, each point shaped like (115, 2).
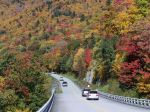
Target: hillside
(110, 37)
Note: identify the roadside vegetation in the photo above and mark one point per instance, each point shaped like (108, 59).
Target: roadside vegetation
(111, 87)
(110, 37)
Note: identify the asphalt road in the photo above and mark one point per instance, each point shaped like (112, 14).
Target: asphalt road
(72, 101)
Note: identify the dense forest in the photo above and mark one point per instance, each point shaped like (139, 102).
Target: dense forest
(110, 37)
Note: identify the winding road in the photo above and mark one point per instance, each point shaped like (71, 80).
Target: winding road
(70, 100)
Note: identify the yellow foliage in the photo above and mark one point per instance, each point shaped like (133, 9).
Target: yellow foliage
(25, 110)
(78, 62)
(52, 59)
(116, 67)
(125, 18)
(2, 83)
(100, 70)
(143, 86)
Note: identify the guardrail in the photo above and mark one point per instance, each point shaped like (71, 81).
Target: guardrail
(145, 103)
(48, 105)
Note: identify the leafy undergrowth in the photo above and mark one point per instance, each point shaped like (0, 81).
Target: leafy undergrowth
(112, 87)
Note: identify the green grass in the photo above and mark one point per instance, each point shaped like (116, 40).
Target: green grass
(112, 87)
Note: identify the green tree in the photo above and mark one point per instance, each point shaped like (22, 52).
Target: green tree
(104, 54)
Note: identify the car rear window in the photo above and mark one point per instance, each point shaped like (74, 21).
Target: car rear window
(64, 82)
(93, 92)
(86, 89)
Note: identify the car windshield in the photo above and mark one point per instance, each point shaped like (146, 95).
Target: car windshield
(64, 82)
(93, 92)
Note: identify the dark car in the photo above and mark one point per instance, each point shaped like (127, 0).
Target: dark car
(85, 91)
(64, 83)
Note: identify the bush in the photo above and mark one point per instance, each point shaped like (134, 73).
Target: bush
(112, 87)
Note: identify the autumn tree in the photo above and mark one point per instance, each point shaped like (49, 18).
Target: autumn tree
(79, 63)
(135, 69)
(104, 56)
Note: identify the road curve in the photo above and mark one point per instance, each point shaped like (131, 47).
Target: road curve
(70, 100)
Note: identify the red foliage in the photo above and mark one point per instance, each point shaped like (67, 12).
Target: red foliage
(25, 60)
(146, 75)
(129, 72)
(57, 38)
(25, 91)
(88, 57)
(117, 2)
(49, 29)
(68, 33)
(64, 25)
(1, 88)
(127, 45)
(137, 60)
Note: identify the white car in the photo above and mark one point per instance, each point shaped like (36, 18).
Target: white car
(61, 79)
(92, 95)
(85, 91)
